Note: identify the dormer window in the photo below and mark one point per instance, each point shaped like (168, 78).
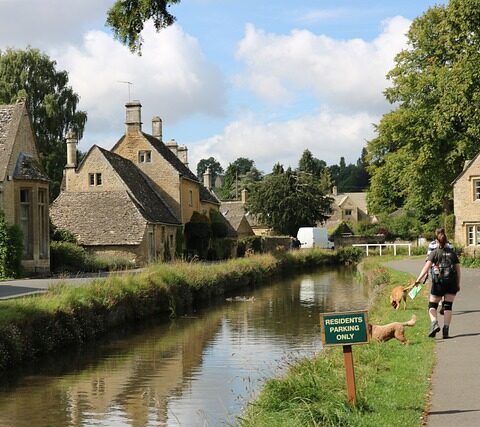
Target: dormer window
(94, 179)
(144, 156)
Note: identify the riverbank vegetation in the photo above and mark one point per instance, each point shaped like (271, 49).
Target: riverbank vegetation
(392, 379)
(67, 316)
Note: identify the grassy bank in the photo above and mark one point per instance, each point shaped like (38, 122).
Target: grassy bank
(66, 316)
(392, 379)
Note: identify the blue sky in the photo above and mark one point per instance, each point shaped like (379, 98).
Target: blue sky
(257, 79)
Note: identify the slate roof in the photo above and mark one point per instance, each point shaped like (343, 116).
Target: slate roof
(166, 153)
(149, 201)
(28, 168)
(112, 217)
(9, 119)
(358, 198)
(233, 212)
(99, 218)
(466, 166)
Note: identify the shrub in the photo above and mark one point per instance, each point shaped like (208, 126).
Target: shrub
(218, 224)
(67, 256)
(11, 248)
(254, 243)
(197, 234)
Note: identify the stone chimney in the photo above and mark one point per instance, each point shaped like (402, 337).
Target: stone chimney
(207, 179)
(157, 128)
(173, 146)
(71, 140)
(182, 153)
(244, 196)
(133, 119)
(335, 190)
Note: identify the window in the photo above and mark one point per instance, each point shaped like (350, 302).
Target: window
(163, 233)
(348, 212)
(473, 235)
(476, 189)
(94, 179)
(43, 222)
(190, 198)
(26, 221)
(144, 156)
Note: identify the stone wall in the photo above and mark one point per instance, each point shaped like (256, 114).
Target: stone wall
(341, 242)
(466, 208)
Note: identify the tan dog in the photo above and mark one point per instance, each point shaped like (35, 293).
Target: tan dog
(391, 330)
(399, 294)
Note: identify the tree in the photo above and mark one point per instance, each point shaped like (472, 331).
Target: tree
(289, 200)
(215, 168)
(126, 18)
(310, 164)
(422, 144)
(51, 103)
(240, 174)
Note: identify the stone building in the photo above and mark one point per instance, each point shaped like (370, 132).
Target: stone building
(130, 201)
(466, 205)
(165, 164)
(113, 209)
(24, 186)
(349, 207)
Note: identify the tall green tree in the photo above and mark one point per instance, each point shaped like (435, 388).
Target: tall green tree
(310, 164)
(215, 168)
(422, 144)
(126, 18)
(51, 103)
(288, 200)
(239, 174)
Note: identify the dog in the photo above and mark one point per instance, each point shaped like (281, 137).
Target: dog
(399, 294)
(389, 331)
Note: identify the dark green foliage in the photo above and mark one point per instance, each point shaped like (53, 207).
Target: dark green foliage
(68, 257)
(253, 243)
(51, 103)
(342, 228)
(289, 200)
(421, 145)
(15, 251)
(11, 249)
(197, 234)
(126, 18)
(61, 235)
(241, 174)
(218, 224)
(179, 242)
(214, 166)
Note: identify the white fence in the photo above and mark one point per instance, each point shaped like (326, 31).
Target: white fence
(384, 245)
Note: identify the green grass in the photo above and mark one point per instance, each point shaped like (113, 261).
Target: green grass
(392, 380)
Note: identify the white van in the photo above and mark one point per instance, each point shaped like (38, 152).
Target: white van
(314, 237)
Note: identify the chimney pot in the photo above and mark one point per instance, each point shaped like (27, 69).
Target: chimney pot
(207, 179)
(244, 195)
(71, 140)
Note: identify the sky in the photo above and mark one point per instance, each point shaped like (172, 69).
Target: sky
(258, 79)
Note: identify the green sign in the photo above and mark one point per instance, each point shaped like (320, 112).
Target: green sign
(344, 328)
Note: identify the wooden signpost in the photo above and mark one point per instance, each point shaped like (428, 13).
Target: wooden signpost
(346, 329)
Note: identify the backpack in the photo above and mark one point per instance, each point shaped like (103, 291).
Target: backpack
(443, 271)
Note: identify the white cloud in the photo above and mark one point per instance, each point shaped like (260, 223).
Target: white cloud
(172, 79)
(326, 134)
(42, 23)
(345, 74)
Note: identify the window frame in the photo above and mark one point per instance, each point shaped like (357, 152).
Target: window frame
(95, 179)
(145, 156)
(473, 234)
(476, 189)
(43, 235)
(26, 222)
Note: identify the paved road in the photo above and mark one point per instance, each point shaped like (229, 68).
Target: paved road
(17, 288)
(455, 397)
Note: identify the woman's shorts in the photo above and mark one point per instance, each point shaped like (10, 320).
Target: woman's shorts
(440, 289)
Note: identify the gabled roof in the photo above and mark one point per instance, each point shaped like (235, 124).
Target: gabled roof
(466, 166)
(234, 212)
(99, 218)
(28, 168)
(359, 199)
(9, 119)
(149, 201)
(166, 153)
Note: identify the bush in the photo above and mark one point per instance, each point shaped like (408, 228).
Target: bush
(197, 234)
(218, 224)
(11, 249)
(67, 256)
(252, 242)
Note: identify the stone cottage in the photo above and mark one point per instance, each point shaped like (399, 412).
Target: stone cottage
(165, 164)
(24, 186)
(130, 201)
(466, 205)
(349, 207)
(113, 209)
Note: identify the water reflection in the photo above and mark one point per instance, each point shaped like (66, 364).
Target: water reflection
(195, 371)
